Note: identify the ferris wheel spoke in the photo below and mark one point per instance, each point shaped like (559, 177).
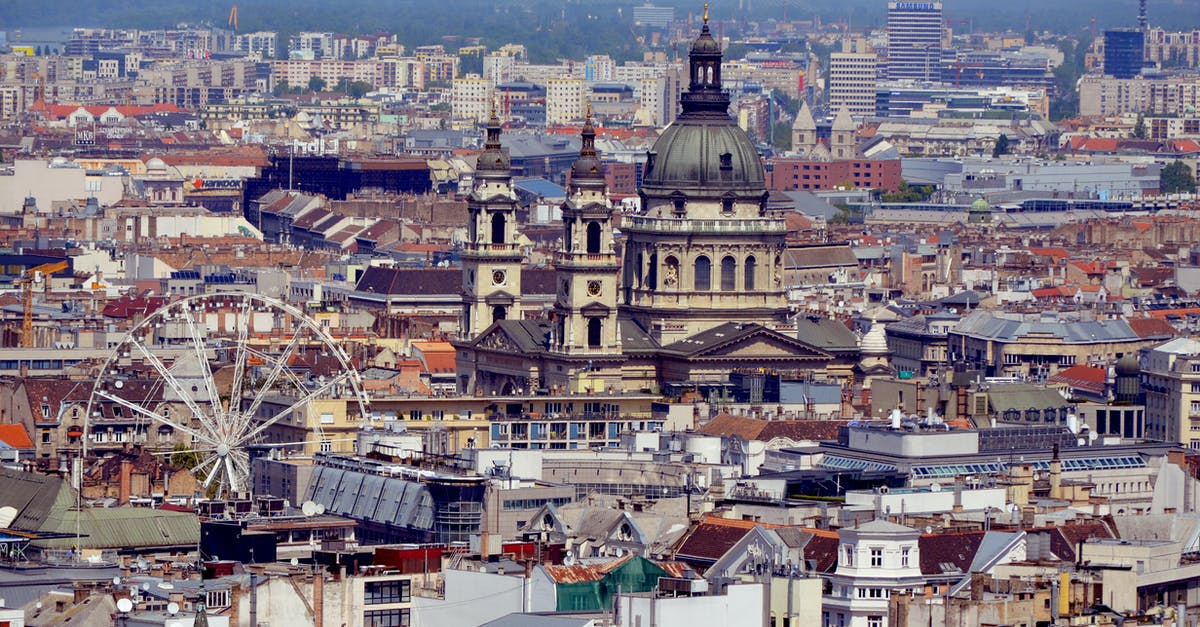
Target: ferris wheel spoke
(239, 366)
(198, 346)
(245, 418)
(163, 419)
(198, 469)
(273, 375)
(303, 400)
(213, 474)
(169, 378)
(234, 480)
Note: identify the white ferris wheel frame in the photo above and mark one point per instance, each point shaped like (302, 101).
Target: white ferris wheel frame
(224, 433)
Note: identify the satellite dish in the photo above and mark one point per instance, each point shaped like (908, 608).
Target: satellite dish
(320, 508)
(928, 529)
(295, 562)
(569, 559)
(937, 487)
(166, 585)
(141, 563)
(172, 608)
(309, 508)
(286, 504)
(124, 605)
(145, 585)
(119, 384)
(116, 581)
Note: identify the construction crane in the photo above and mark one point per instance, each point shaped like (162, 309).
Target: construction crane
(30, 276)
(233, 18)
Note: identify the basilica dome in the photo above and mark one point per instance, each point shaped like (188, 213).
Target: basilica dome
(703, 153)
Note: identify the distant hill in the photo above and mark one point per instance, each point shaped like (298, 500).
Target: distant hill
(552, 28)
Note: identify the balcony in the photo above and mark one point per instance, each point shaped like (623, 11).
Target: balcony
(487, 250)
(585, 259)
(686, 225)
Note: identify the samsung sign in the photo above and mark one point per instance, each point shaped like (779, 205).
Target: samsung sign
(915, 6)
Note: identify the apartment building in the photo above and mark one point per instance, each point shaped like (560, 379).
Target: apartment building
(852, 81)
(1171, 381)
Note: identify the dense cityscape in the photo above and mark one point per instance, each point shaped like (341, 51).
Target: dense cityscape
(600, 315)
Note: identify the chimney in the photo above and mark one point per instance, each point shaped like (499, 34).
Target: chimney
(1056, 491)
(318, 598)
(123, 485)
(977, 585)
(958, 488)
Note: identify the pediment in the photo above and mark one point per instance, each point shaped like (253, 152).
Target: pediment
(500, 298)
(765, 343)
(594, 309)
(498, 340)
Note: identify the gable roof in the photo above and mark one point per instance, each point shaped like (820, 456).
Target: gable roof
(711, 341)
(712, 537)
(948, 552)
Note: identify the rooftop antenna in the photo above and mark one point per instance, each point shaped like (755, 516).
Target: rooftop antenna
(1143, 24)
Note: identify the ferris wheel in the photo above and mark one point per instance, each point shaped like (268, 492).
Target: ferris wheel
(258, 386)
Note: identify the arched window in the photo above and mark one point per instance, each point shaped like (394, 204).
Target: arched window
(652, 272)
(498, 228)
(593, 238)
(703, 277)
(499, 312)
(749, 270)
(594, 332)
(568, 235)
(728, 274)
(637, 270)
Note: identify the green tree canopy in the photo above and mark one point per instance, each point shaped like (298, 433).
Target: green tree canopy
(1001, 147)
(316, 83)
(1176, 177)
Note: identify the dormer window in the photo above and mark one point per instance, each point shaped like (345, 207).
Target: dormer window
(726, 161)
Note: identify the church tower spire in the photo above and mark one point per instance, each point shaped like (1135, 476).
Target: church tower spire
(492, 254)
(585, 311)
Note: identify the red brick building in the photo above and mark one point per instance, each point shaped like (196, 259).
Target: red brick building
(791, 173)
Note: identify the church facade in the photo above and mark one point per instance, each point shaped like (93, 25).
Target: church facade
(696, 292)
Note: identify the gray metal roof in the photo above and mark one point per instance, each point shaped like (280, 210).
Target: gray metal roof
(372, 497)
(1012, 327)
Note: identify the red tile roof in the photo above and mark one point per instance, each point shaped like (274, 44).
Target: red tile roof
(726, 425)
(1082, 377)
(712, 538)
(1151, 327)
(15, 436)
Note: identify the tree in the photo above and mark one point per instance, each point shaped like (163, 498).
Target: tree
(358, 89)
(781, 136)
(1001, 147)
(183, 456)
(1139, 129)
(908, 193)
(316, 83)
(1176, 177)
(280, 88)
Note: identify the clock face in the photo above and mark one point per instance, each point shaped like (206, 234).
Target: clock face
(593, 288)
(498, 277)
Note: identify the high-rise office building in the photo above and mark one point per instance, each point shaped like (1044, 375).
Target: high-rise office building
(914, 34)
(852, 81)
(1124, 53)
